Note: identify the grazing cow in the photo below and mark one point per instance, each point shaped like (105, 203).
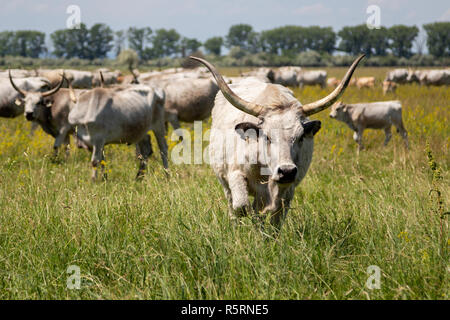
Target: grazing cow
(10, 104)
(79, 79)
(389, 86)
(286, 76)
(365, 82)
(333, 82)
(109, 77)
(262, 73)
(375, 115)
(188, 100)
(18, 73)
(397, 76)
(276, 117)
(312, 78)
(430, 77)
(120, 115)
(50, 110)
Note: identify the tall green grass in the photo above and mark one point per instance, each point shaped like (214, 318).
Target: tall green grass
(172, 239)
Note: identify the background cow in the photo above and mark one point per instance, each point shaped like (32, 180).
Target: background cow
(120, 115)
(375, 115)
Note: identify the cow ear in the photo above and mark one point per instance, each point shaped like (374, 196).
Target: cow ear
(48, 102)
(18, 102)
(311, 127)
(243, 127)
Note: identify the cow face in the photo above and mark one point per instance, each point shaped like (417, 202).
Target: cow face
(287, 138)
(34, 104)
(33, 101)
(338, 111)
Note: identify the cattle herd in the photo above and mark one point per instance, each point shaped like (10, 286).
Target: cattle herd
(105, 107)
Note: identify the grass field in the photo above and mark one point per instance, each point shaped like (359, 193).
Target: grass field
(171, 238)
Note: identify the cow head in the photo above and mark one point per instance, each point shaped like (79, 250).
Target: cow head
(286, 128)
(33, 101)
(338, 111)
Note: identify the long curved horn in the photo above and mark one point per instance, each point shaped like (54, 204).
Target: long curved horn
(317, 106)
(54, 90)
(22, 92)
(245, 106)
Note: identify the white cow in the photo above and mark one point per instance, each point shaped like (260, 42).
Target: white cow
(120, 115)
(256, 112)
(10, 104)
(312, 78)
(375, 115)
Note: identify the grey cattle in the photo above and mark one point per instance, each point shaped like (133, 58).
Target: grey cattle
(255, 112)
(430, 77)
(120, 115)
(109, 77)
(188, 100)
(50, 110)
(261, 73)
(79, 79)
(287, 76)
(312, 78)
(10, 104)
(399, 76)
(375, 115)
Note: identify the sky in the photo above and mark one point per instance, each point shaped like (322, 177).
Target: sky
(203, 19)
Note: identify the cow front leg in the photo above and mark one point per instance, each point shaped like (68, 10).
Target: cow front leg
(61, 138)
(388, 134)
(239, 193)
(401, 129)
(96, 160)
(172, 118)
(357, 136)
(143, 152)
(162, 144)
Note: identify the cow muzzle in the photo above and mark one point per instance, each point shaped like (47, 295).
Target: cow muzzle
(29, 116)
(285, 174)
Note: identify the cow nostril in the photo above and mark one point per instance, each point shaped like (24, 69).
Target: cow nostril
(29, 116)
(287, 173)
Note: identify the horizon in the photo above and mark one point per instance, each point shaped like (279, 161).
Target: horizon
(214, 18)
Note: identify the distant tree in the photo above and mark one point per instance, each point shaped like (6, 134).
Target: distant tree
(60, 40)
(138, 39)
(214, 45)
(240, 35)
(165, 43)
(119, 41)
(79, 42)
(379, 41)
(438, 38)
(287, 40)
(355, 40)
(320, 39)
(27, 43)
(6, 38)
(100, 41)
(128, 57)
(402, 38)
(188, 46)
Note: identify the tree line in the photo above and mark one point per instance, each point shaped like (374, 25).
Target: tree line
(99, 40)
